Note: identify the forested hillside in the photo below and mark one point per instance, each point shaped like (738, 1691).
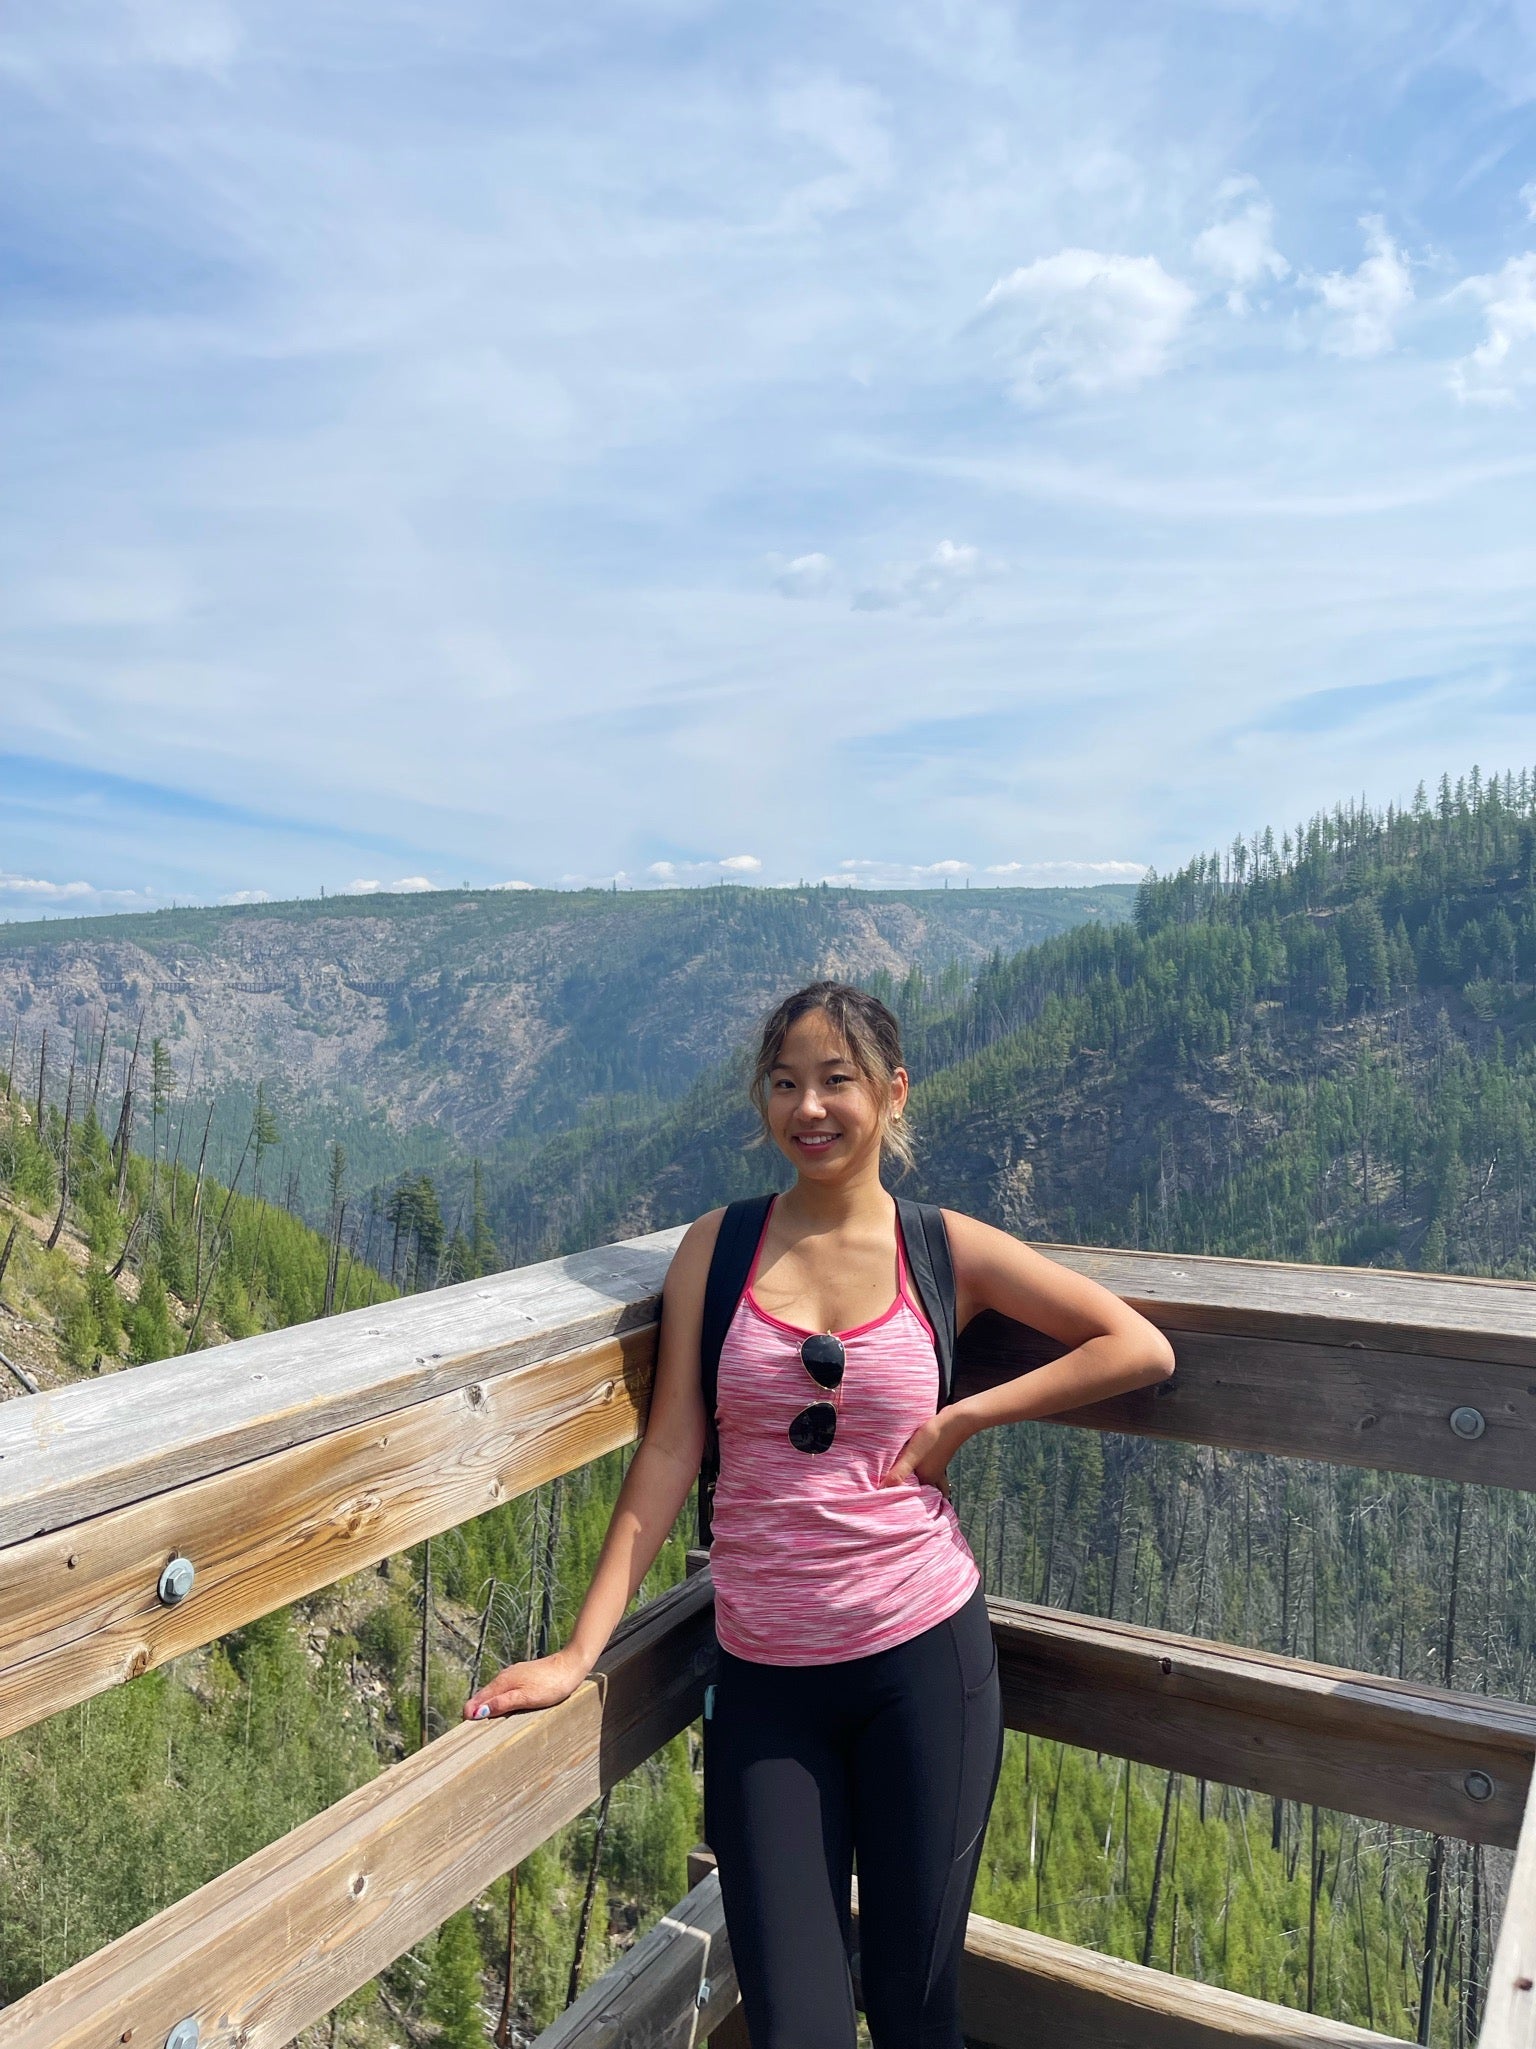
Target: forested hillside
(1320, 1049)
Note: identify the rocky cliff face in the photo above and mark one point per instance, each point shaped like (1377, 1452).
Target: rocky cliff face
(485, 1014)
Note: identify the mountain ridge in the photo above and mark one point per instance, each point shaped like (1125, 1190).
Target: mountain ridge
(487, 1017)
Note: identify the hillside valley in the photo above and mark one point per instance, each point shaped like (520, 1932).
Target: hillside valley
(423, 1028)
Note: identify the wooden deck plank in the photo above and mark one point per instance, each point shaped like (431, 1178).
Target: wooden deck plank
(282, 1938)
(79, 1609)
(1383, 1748)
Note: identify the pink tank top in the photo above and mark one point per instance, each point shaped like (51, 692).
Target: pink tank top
(813, 1561)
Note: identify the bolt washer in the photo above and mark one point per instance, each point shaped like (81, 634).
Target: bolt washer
(175, 1585)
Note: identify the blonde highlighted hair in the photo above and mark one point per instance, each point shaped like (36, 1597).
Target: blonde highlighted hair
(873, 1040)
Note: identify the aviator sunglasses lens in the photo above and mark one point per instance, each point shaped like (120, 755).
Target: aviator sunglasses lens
(814, 1428)
(822, 1358)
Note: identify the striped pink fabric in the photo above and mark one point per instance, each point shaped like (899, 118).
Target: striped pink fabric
(813, 1561)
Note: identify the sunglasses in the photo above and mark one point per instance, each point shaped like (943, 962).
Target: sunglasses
(823, 1358)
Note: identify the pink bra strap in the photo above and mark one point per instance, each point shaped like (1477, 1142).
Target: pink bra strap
(903, 1283)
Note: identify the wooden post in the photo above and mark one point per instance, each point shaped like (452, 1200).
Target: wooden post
(1510, 2017)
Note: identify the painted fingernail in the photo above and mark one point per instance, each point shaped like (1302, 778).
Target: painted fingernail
(483, 1712)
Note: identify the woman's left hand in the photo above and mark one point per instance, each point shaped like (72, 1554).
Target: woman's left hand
(928, 1451)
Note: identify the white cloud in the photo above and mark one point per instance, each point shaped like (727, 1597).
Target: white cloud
(36, 891)
(41, 891)
(804, 576)
(1067, 872)
(931, 585)
(185, 35)
(408, 885)
(897, 874)
(246, 896)
(1086, 322)
(1505, 359)
(1017, 874)
(843, 122)
(673, 873)
(1528, 198)
(1366, 303)
(1239, 245)
(512, 885)
(112, 587)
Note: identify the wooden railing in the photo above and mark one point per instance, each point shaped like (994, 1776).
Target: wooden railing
(279, 1464)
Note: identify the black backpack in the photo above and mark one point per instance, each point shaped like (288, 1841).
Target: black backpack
(926, 1243)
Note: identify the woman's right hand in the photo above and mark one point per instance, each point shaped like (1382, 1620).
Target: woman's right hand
(537, 1683)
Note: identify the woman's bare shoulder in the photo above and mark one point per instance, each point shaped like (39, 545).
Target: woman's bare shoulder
(690, 1262)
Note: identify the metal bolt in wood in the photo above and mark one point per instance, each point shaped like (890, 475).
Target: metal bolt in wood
(185, 2035)
(1468, 1423)
(176, 1583)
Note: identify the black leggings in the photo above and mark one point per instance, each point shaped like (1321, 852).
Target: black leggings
(893, 1758)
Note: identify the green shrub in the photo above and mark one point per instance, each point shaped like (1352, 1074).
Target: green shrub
(387, 1637)
(453, 1984)
(106, 1305)
(151, 1333)
(79, 1333)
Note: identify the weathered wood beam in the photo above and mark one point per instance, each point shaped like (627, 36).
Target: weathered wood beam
(1349, 1402)
(74, 1452)
(279, 1940)
(675, 1987)
(730, 2031)
(1450, 1316)
(1018, 1989)
(1449, 1763)
(1509, 2020)
(79, 1607)
(78, 1451)
(287, 1460)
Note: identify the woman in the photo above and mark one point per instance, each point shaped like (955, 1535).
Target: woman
(856, 1709)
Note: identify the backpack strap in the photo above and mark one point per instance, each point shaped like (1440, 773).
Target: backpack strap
(730, 1264)
(933, 1275)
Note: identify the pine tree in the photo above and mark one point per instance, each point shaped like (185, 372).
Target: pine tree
(453, 1985)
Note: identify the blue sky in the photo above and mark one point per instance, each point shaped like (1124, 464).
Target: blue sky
(451, 442)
